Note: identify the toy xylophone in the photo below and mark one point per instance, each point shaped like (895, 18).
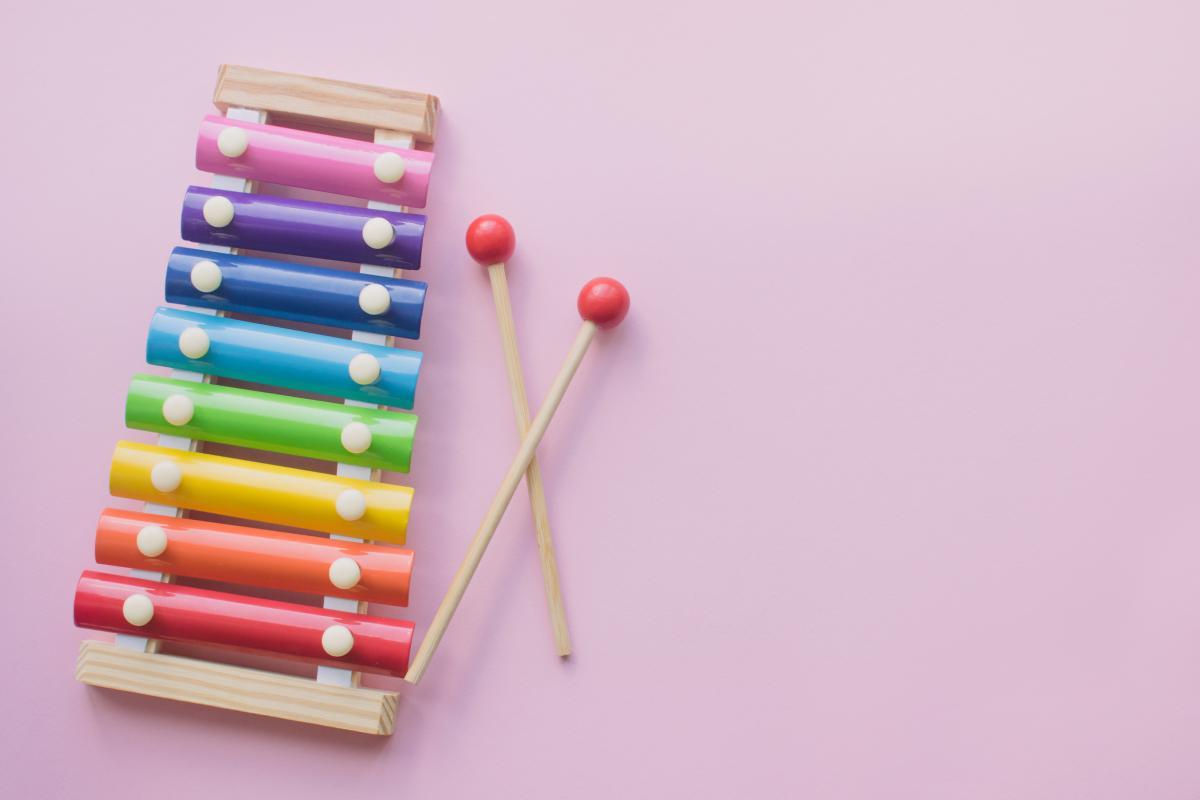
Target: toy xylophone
(236, 319)
(310, 134)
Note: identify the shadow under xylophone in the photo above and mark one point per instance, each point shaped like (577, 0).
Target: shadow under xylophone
(330, 137)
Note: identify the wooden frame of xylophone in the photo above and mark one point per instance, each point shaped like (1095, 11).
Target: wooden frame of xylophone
(332, 137)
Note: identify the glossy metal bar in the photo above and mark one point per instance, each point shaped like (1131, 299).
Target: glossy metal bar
(298, 292)
(272, 559)
(313, 161)
(263, 492)
(308, 362)
(277, 423)
(185, 614)
(302, 228)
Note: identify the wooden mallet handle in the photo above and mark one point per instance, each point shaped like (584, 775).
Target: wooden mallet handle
(603, 303)
(491, 242)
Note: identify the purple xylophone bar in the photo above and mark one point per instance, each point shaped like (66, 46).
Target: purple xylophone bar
(302, 228)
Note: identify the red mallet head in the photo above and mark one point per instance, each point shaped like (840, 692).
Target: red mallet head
(490, 240)
(603, 301)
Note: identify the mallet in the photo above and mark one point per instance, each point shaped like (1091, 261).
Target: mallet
(603, 303)
(491, 241)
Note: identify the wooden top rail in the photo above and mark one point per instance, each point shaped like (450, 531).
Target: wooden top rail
(334, 106)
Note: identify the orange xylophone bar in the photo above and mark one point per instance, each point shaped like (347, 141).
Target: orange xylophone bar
(254, 556)
(183, 614)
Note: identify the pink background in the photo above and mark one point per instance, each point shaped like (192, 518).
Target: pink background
(887, 488)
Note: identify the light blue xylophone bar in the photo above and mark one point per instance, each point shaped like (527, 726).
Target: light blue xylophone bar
(307, 362)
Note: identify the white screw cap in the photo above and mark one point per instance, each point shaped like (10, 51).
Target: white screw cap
(151, 541)
(356, 437)
(166, 476)
(374, 299)
(364, 369)
(351, 505)
(206, 276)
(344, 573)
(138, 610)
(377, 232)
(389, 167)
(232, 142)
(218, 211)
(337, 640)
(193, 342)
(178, 409)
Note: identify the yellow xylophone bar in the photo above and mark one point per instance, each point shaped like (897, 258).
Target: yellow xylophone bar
(263, 492)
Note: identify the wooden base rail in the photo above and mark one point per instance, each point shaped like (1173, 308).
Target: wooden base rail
(251, 691)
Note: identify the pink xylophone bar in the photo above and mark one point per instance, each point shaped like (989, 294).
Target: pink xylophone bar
(394, 174)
